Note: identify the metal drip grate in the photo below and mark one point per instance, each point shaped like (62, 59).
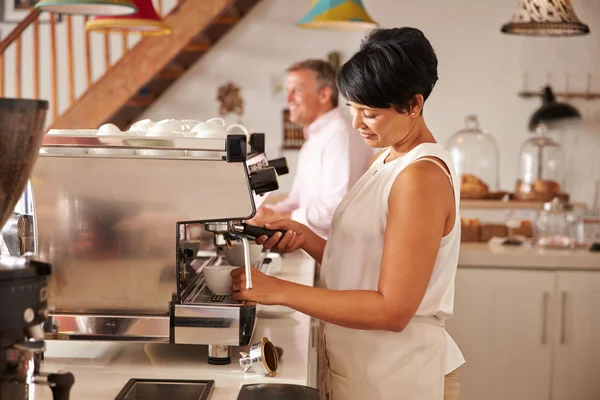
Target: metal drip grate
(219, 298)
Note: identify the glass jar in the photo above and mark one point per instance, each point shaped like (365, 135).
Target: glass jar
(541, 168)
(474, 155)
(556, 225)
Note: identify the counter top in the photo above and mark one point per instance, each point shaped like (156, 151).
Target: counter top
(485, 255)
(101, 369)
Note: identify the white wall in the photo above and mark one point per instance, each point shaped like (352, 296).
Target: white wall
(480, 69)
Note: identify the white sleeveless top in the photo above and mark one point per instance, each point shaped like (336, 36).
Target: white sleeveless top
(353, 253)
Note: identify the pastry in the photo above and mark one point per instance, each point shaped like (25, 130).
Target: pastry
(539, 190)
(470, 185)
(470, 230)
(541, 186)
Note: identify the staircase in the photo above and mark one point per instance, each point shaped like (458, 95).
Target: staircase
(126, 87)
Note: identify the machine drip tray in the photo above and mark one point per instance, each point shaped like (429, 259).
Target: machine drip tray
(277, 391)
(160, 389)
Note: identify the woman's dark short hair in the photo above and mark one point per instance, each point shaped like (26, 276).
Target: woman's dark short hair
(391, 67)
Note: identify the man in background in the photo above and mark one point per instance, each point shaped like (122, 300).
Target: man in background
(332, 157)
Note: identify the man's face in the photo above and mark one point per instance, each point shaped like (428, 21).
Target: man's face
(304, 97)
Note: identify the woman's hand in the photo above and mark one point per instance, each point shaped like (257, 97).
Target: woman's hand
(294, 238)
(265, 214)
(265, 289)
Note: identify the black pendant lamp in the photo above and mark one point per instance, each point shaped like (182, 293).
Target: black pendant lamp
(552, 111)
(545, 18)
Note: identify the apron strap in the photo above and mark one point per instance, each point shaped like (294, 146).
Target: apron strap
(428, 320)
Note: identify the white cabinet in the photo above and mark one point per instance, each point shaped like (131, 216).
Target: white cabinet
(528, 334)
(576, 367)
(503, 325)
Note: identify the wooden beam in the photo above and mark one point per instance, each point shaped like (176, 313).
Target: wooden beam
(124, 80)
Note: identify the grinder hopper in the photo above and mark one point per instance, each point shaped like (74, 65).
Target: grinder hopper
(23, 282)
(21, 134)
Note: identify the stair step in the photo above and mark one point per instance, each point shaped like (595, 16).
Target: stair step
(230, 16)
(227, 20)
(141, 101)
(196, 47)
(170, 73)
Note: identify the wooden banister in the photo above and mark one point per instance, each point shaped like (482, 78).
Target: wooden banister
(19, 29)
(88, 56)
(70, 59)
(1, 74)
(124, 42)
(106, 51)
(18, 68)
(36, 59)
(53, 67)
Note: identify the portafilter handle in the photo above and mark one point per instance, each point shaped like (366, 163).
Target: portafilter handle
(60, 384)
(255, 231)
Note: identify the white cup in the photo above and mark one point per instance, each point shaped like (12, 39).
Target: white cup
(235, 255)
(189, 124)
(242, 128)
(218, 278)
(164, 128)
(142, 126)
(111, 130)
(213, 128)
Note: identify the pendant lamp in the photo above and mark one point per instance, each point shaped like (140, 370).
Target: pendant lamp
(87, 7)
(145, 22)
(545, 18)
(552, 111)
(337, 14)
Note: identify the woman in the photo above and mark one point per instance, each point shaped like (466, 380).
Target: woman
(390, 260)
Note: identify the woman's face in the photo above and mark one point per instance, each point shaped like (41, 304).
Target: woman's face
(383, 127)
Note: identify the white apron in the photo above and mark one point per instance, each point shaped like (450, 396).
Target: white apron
(360, 366)
(382, 365)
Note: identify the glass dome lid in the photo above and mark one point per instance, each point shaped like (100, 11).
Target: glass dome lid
(542, 164)
(475, 157)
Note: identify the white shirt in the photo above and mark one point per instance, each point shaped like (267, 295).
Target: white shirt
(353, 254)
(333, 157)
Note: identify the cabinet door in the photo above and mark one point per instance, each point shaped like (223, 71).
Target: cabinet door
(502, 324)
(576, 367)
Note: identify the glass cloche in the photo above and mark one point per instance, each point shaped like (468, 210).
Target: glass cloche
(474, 155)
(541, 168)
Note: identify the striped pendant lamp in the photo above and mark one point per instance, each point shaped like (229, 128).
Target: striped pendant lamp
(545, 18)
(146, 21)
(337, 14)
(87, 7)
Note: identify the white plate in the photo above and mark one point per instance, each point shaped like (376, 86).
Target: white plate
(274, 311)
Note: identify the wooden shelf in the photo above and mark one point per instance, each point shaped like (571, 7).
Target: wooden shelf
(506, 205)
(293, 134)
(527, 94)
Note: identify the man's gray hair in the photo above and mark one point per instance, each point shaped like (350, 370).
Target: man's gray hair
(324, 72)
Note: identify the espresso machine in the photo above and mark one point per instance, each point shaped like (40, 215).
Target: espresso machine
(110, 222)
(23, 279)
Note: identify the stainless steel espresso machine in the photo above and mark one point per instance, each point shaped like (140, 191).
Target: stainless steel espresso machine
(111, 224)
(23, 279)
